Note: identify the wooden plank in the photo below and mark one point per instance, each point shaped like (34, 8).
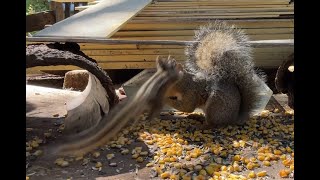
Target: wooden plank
(265, 43)
(190, 38)
(178, 57)
(37, 21)
(191, 25)
(57, 7)
(154, 7)
(273, 63)
(191, 32)
(67, 9)
(170, 4)
(208, 13)
(100, 20)
(107, 52)
(207, 18)
(220, 9)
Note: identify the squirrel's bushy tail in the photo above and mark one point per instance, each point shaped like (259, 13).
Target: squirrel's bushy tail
(223, 52)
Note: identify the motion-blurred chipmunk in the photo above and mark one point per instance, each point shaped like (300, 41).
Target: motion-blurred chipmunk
(149, 98)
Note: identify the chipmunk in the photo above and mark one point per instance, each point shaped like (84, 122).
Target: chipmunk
(148, 98)
(218, 76)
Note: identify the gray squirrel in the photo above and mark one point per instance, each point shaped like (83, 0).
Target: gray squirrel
(218, 76)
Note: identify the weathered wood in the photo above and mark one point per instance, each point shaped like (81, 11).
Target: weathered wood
(100, 20)
(46, 102)
(37, 21)
(260, 43)
(67, 9)
(87, 109)
(57, 7)
(69, 54)
(262, 31)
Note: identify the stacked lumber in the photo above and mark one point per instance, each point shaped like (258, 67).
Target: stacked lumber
(177, 20)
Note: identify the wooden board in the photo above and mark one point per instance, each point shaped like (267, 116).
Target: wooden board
(100, 20)
(118, 52)
(191, 25)
(191, 32)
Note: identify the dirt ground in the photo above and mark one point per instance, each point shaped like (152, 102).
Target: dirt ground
(40, 167)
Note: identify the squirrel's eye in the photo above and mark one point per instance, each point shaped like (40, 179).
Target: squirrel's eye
(173, 97)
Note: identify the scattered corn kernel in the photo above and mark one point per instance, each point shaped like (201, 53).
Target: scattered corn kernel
(110, 156)
(262, 173)
(96, 154)
(135, 156)
(98, 164)
(277, 152)
(125, 151)
(139, 159)
(250, 166)
(165, 175)
(236, 157)
(266, 163)
(252, 174)
(283, 173)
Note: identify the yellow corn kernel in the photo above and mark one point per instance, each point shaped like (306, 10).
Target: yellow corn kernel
(223, 168)
(174, 177)
(173, 159)
(125, 151)
(135, 156)
(253, 159)
(139, 159)
(165, 175)
(292, 167)
(224, 154)
(267, 158)
(252, 174)
(236, 157)
(250, 166)
(203, 172)
(209, 170)
(288, 149)
(236, 144)
(283, 173)
(177, 165)
(236, 167)
(150, 164)
(277, 152)
(292, 154)
(144, 153)
(261, 157)
(262, 173)
(98, 164)
(287, 162)
(149, 142)
(283, 157)
(266, 163)
(186, 177)
(230, 169)
(166, 159)
(188, 158)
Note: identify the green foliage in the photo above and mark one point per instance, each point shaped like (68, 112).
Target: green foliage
(33, 6)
